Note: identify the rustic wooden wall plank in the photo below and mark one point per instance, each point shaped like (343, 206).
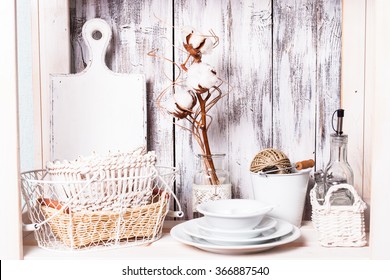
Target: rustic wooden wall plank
(250, 102)
(328, 28)
(355, 98)
(352, 90)
(212, 15)
(294, 77)
(53, 39)
(328, 75)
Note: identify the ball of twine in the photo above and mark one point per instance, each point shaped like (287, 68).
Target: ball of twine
(270, 159)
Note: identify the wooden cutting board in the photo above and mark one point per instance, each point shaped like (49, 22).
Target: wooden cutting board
(97, 110)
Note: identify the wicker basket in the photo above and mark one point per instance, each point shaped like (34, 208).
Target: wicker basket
(99, 202)
(87, 228)
(339, 226)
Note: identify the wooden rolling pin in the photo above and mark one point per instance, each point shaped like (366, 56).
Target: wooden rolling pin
(304, 164)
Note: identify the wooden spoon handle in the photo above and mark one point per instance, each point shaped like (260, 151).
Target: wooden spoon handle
(304, 164)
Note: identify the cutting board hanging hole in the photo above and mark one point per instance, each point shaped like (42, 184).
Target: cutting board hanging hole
(97, 35)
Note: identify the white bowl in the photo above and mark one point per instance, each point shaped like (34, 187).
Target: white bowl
(233, 214)
(266, 224)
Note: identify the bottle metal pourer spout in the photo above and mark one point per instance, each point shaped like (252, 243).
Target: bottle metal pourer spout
(340, 116)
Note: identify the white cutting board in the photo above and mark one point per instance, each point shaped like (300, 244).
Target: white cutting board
(97, 110)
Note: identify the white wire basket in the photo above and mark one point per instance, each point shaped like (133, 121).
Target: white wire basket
(339, 226)
(100, 202)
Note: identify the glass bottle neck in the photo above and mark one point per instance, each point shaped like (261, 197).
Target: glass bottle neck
(338, 148)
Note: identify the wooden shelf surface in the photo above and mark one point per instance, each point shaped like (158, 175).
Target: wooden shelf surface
(306, 247)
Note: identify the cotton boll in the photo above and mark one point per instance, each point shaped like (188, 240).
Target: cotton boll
(186, 33)
(207, 46)
(171, 107)
(192, 37)
(185, 99)
(196, 40)
(201, 77)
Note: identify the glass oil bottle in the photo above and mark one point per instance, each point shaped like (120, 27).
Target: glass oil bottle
(338, 170)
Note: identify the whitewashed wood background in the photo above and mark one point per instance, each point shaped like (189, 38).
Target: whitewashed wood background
(282, 57)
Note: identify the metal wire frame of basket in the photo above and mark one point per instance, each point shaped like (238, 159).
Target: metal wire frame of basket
(99, 212)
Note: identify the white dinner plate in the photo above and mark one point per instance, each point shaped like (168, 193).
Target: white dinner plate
(178, 233)
(282, 228)
(266, 224)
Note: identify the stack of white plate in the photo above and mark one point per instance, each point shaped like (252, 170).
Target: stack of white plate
(235, 226)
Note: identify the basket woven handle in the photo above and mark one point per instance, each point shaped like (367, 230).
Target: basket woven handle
(358, 203)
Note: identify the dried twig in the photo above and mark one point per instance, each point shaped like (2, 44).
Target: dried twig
(202, 91)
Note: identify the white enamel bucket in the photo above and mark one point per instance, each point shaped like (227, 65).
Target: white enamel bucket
(286, 192)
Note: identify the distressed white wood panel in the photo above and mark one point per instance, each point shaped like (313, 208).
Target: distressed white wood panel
(36, 85)
(369, 109)
(54, 57)
(294, 77)
(26, 101)
(353, 95)
(294, 80)
(328, 75)
(203, 16)
(380, 225)
(250, 102)
(97, 110)
(352, 87)
(136, 31)
(328, 80)
(10, 214)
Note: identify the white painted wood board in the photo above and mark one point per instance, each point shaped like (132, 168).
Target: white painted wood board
(294, 80)
(354, 98)
(353, 86)
(97, 110)
(328, 46)
(369, 98)
(380, 222)
(250, 102)
(11, 246)
(51, 54)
